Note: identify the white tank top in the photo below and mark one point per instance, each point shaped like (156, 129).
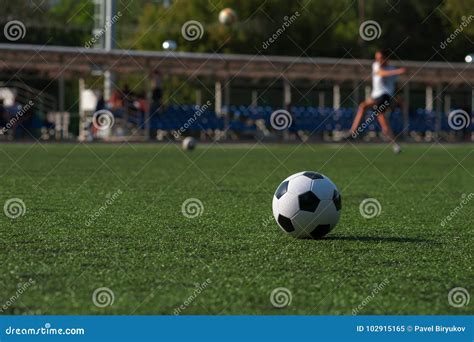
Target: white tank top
(382, 85)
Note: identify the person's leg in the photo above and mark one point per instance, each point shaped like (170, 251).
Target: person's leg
(360, 113)
(387, 131)
(385, 125)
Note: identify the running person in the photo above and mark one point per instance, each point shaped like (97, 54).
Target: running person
(384, 78)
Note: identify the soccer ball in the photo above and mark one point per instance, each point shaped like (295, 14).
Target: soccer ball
(307, 205)
(227, 16)
(189, 143)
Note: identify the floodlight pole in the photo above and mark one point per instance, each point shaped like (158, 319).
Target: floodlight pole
(254, 98)
(321, 98)
(438, 107)
(286, 94)
(367, 91)
(447, 103)
(336, 96)
(82, 113)
(61, 87)
(149, 98)
(60, 114)
(429, 98)
(198, 97)
(218, 98)
(109, 45)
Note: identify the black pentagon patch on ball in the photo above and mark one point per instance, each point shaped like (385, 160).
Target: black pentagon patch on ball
(336, 198)
(285, 223)
(320, 231)
(313, 175)
(282, 189)
(308, 201)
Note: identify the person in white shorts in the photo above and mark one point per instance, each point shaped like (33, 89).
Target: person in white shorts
(384, 78)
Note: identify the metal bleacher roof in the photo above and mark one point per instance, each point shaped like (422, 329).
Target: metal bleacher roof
(75, 61)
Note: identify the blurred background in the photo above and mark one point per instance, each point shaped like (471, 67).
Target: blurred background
(112, 70)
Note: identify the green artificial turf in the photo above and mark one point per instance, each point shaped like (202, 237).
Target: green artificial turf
(152, 257)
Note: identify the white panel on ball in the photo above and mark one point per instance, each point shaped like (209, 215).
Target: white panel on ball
(323, 188)
(293, 176)
(288, 205)
(299, 185)
(275, 207)
(326, 213)
(304, 223)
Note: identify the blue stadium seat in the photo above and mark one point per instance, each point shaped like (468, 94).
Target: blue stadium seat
(310, 119)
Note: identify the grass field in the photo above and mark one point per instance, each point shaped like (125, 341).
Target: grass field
(151, 256)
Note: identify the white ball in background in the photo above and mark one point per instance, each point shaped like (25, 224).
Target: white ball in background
(227, 16)
(189, 143)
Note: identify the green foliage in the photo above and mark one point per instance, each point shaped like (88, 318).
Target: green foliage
(460, 15)
(71, 12)
(459, 10)
(414, 29)
(68, 22)
(257, 22)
